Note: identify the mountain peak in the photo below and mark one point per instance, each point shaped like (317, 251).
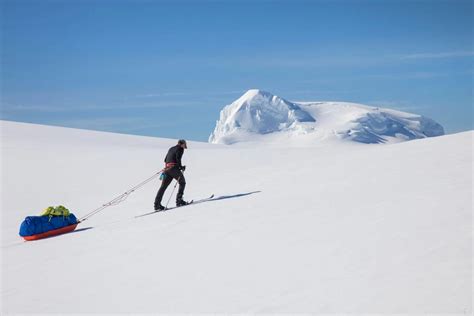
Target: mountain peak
(262, 116)
(252, 93)
(257, 112)
(257, 96)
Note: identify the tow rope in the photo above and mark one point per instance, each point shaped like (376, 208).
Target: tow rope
(120, 198)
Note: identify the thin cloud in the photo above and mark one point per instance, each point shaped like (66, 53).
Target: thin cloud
(297, 60)
(109, 123)
(439, 55)
(161, 94)
(411, 75)
(186, 93)
(85, 108)
(33, 108)
(408, 75)
(396, 105)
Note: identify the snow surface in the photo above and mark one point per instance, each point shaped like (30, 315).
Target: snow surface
(263, 117)
(344, 228)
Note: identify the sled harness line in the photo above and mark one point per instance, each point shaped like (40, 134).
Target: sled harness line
(120, 198)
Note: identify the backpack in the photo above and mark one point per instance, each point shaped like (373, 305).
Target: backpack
(56, 211)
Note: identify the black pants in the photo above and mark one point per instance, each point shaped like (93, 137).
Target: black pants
(170, 174)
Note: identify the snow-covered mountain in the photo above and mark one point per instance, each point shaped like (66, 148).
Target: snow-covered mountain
(261, 116)
(350, 229)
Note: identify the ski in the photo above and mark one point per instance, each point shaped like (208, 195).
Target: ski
(192, 202)
(171, 208)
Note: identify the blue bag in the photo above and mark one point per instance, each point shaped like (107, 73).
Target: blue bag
(33, 225)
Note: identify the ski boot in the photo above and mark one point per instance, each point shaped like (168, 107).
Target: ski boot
(181, 202)
(159, 207)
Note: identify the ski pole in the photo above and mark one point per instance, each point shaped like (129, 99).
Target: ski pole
(177, 181)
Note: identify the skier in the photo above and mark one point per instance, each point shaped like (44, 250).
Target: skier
(172, 171)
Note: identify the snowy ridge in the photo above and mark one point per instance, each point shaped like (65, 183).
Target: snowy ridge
(261, 116)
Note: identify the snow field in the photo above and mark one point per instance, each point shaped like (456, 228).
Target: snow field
(336, 228)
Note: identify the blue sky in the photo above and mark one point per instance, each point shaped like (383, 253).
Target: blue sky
(166, 68)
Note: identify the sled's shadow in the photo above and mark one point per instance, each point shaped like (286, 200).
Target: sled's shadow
(80, 230)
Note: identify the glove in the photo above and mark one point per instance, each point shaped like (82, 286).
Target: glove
(183, 168)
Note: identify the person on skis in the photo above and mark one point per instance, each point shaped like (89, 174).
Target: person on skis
(172, 170)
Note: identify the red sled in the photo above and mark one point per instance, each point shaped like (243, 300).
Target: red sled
(54, 232)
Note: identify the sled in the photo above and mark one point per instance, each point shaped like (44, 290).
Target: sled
(54, 232)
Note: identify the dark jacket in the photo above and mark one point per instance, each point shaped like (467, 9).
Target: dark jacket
(174, 155)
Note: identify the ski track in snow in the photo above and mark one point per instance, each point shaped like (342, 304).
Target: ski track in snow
(334, 229)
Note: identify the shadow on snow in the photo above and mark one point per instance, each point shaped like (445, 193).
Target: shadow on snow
(211, 199)
(224, 197)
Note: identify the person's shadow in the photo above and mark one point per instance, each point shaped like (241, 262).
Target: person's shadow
(219, 198)
(215, 198)
(210, 199)
(224, 197)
